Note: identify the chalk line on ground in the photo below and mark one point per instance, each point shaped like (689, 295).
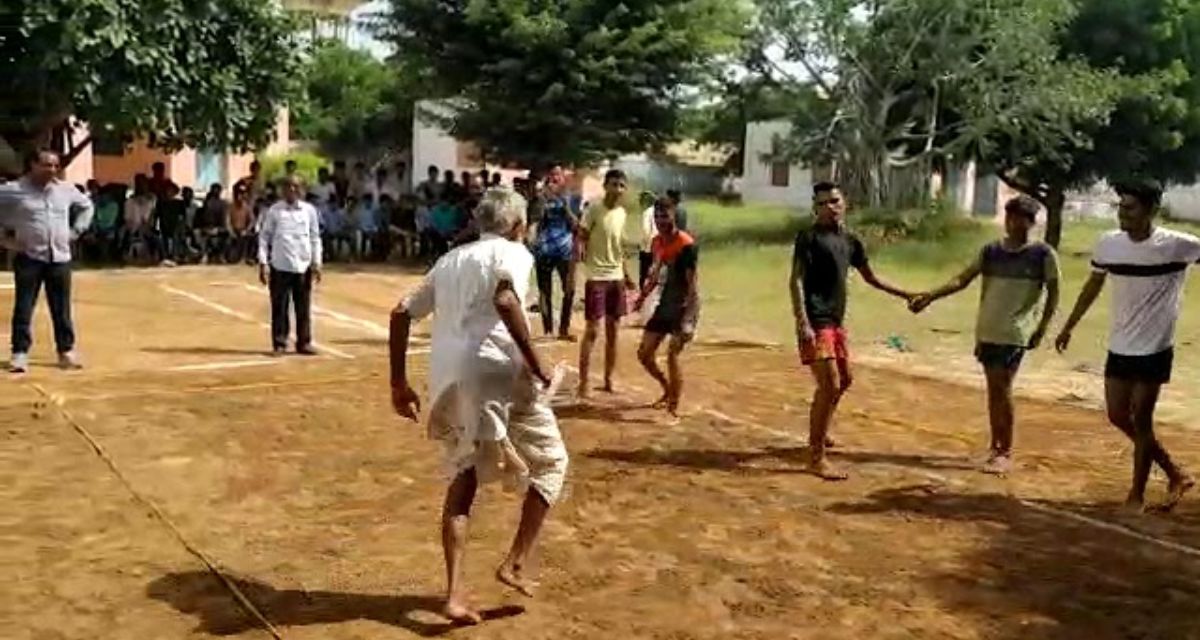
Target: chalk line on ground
(233, 364)
(242, 316)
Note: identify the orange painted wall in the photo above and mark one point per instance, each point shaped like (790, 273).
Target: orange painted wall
(137, 159)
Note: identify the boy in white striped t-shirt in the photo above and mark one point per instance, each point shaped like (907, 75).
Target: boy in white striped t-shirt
(1148, 265)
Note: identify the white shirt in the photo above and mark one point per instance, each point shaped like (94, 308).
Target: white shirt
(290, 237)
(1148, 279)
(324, 191)
(468, 336)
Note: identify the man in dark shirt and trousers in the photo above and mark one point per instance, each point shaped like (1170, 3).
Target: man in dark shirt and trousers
(822, 257)
(39, 207)
(289, 258)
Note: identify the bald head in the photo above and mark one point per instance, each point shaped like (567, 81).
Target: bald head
(293, 186)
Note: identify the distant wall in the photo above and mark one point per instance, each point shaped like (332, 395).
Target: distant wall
(659, 175)
(757, 173)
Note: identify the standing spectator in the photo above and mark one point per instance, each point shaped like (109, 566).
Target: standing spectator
(252, 184)
(485, 178)
(553, 250)
(240, 225)
(401, 179)
(289, 258)
(210, 222)
(429, 190)
(139, 215)
(646, 238)
(384, 185)
(325, 189)
(160, 184)
(38, 207)
(341, 181)
(361, 181)
(289, 171)
(170, 214)
(497, 180)
(451, 191)
(600, 234)
(681, 214)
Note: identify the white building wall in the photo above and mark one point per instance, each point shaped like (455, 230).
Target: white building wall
(756, 172)
(1184, 202)
(431, 145)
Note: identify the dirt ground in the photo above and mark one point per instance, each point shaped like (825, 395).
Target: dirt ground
(294, 476)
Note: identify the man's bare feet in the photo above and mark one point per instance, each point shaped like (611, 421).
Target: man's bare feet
(1133, 505)
(582, 392)
(999, 464)
(511, 576)
(607, 387)
(459, 612)
(830, 442)
(825, 471)
(662, 403)
(1175, 491)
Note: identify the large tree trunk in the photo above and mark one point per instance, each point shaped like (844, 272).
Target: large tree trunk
(1054, 202)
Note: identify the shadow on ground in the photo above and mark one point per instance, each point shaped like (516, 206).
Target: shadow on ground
(207, 351)
(201, 594)
(747, 461)
(1041, 576)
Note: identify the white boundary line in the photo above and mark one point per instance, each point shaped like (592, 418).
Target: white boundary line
(242, 316)
(234, 364)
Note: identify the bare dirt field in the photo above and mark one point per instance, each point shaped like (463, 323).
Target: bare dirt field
(294, 477)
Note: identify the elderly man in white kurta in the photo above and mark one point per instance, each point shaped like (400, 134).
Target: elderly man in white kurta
(490, 393)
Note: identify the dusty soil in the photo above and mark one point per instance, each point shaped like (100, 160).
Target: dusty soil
(296, 479)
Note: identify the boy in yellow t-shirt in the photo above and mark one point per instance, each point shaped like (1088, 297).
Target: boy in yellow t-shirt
(603, 256)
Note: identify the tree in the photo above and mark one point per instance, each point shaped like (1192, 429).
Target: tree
(202, 74)
(1152, 129)
(354, 104)
(910, 83)
(535, 81)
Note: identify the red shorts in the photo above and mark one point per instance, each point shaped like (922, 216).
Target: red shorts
(829, 344)
(603, 299)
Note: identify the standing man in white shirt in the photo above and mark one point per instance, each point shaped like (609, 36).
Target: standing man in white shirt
(38, 207)
(1148, 265)
(490, 393)
(289, 258)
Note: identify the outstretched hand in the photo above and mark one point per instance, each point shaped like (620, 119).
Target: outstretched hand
(405, 401)
(920, 302)
(1062, 342)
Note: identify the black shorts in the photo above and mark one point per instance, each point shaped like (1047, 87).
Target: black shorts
(999, 356)
(1154, 368)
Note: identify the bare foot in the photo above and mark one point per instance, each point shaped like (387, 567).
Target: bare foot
(582, 392)
(830, 442)
(1133, 505)
(508, 575)
(662, 402)
(607, 387)
(998, 465)
(461, 613)
(1175, 491)
(825, 471)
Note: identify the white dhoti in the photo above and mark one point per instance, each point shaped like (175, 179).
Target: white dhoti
(498, 421)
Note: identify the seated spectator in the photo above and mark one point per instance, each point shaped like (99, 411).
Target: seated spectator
(101, 238)
(171, 216)
(335, 232)
(209, 229)
(366, 225)
(137, 232)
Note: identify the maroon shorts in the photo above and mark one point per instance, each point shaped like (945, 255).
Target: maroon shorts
(603, 299)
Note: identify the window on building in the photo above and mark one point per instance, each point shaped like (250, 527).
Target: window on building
(781, 172)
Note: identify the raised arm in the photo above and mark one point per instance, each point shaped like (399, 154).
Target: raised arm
(1091, 291)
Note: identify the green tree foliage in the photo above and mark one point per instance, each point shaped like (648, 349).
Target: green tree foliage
(204, 74)
(1152, 129)
(354, 104)
(551, 80)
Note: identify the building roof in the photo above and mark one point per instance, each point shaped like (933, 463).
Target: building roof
(339, 7)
